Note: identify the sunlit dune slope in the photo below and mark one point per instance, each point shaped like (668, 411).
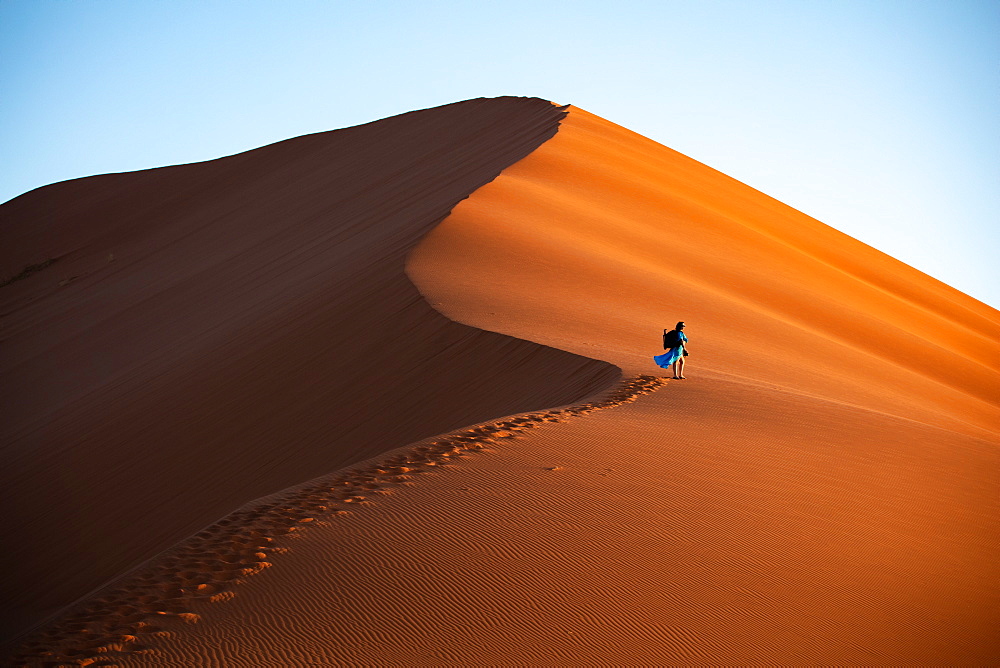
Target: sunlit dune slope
(602, 237)
(211, 333)
(839, 421)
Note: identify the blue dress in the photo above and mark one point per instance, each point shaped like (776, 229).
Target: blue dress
(672, 355)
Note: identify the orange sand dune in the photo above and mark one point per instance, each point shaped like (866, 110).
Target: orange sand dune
(822, 489)
(214, 332)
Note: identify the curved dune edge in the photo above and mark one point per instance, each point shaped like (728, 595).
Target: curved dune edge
(140, 611)
(216, 332)
(602, 237)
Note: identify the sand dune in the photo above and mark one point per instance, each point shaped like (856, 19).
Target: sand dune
(214, 332)
(822, 489)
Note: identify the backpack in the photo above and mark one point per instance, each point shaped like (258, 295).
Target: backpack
(671, 339)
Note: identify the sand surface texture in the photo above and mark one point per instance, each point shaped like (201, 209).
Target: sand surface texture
(688, 527)
(822, 489)
(211, 333)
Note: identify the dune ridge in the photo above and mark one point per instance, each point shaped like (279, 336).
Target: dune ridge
(207, 334)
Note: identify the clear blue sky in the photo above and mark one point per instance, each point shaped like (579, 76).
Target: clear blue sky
(879, 118)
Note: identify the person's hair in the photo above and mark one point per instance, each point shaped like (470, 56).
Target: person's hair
(679, 325)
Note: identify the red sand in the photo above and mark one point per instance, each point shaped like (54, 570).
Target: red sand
(821, 490)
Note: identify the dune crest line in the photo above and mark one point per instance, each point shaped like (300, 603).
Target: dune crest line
(153, 602)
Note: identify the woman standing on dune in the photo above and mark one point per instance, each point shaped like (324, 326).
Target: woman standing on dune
(675, 343)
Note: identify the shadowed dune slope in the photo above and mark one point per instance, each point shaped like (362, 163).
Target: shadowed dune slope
(211, 333)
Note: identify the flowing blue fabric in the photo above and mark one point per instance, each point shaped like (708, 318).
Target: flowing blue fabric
(672, 355)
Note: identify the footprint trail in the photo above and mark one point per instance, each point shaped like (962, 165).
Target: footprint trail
(154, 601)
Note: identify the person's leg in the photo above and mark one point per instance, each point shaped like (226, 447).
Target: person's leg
(674, 365)
(680, 363)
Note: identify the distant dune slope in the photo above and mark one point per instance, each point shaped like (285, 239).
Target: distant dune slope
(214, 332)
(603, 237)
